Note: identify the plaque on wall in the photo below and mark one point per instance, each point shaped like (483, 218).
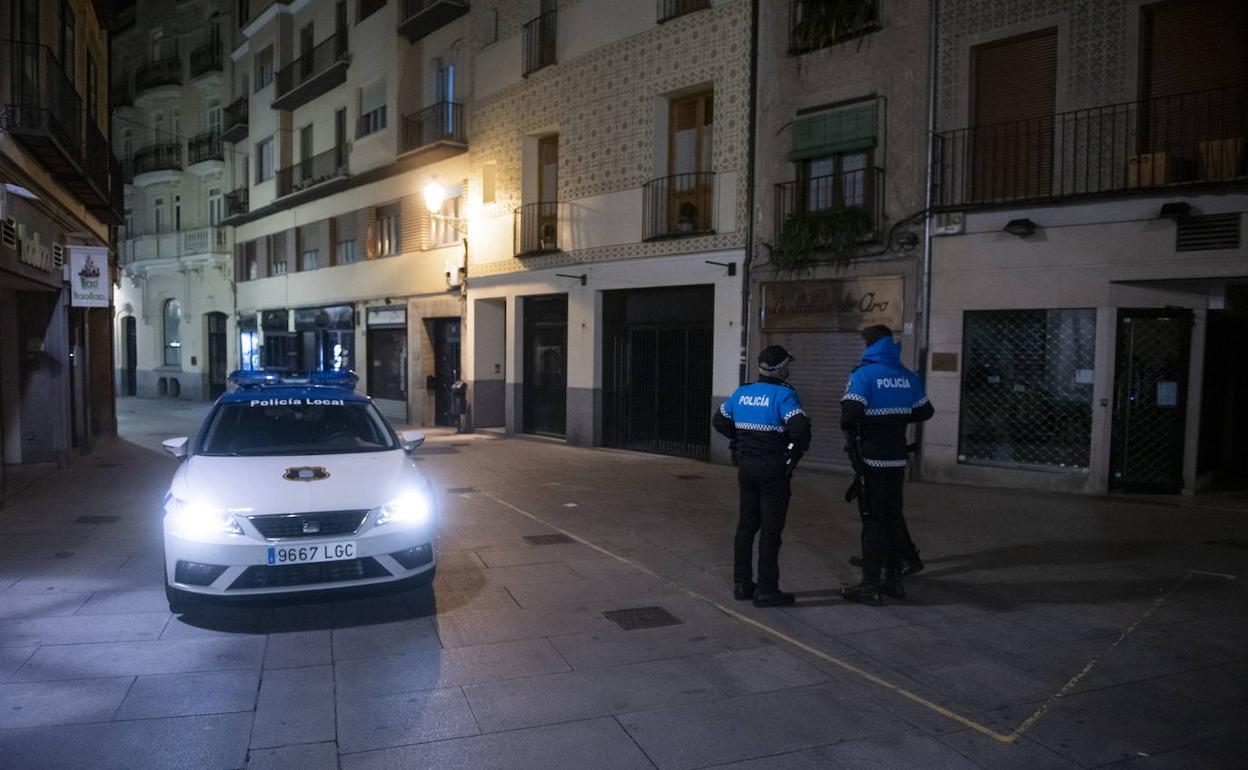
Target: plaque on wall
(847, 305)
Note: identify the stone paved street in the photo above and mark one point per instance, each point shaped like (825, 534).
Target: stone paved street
(509, 660)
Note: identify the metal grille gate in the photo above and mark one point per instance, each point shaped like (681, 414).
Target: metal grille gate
(1150, 400)
(1027, 388)
(658, 389)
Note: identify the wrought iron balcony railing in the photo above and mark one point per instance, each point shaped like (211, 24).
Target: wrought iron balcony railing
(319, 168)
(206, 59)
(158, 157)
(40, 99)
(681, 204)
(817, 202)
(154, 74)
(419, 18)
(537, 228)
(234, 123)
(671, 9)
(1185, 139)
(204, 146)
(815, 24)
(312, 74)
(236, 202)
(541, 37)
(441, 122)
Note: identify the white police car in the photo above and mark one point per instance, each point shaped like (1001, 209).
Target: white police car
(294, 485)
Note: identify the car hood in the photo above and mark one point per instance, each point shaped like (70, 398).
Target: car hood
(259, 484)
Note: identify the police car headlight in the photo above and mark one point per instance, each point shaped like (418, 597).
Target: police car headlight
(412, 509)
(196, 518)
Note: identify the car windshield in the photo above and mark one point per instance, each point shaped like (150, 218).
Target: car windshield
(259, 428)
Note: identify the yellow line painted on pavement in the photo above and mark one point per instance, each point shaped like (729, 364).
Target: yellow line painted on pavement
(935, 707)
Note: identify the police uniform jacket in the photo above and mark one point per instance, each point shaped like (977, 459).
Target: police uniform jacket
(762, 419)
(881, 399)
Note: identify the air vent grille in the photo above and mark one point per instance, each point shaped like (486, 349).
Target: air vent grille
(1207, 233)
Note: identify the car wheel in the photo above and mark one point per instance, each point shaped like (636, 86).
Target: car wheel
(180, 601)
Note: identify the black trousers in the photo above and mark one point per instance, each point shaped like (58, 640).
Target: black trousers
(884, 535)
(764, 486)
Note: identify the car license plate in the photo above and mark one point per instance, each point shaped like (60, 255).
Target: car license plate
(305, 554)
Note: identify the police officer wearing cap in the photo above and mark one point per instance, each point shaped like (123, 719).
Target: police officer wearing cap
(768, 433)
(881, 399)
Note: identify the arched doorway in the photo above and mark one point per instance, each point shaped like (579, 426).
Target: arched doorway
(130, 330)
(216, 354)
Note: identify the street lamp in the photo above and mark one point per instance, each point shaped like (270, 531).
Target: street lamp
(435, 196)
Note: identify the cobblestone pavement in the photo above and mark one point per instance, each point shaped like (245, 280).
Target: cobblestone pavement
(1047, 631)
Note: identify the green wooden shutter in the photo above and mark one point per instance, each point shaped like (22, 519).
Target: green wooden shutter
(844, 129)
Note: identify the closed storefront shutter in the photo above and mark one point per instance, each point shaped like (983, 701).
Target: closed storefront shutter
(824, 361)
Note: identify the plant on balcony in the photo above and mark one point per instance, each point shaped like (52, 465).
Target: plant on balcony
(829, 22)
(807, 235)
(688, 217)
(548, 237)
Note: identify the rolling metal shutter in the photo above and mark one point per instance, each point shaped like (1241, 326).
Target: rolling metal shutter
(824, 361)
(314, 237)
(413, 219)
(1194, 45)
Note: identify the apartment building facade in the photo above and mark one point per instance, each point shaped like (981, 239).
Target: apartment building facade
(1089, 270)
(59, 196)
(174, 325)
(347, 120)
(840, 191)
(607, 198)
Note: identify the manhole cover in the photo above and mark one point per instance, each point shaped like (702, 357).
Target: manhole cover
(96, 519)
(460, 490)
(690, 476)
(548, 539)
(1228, 543)
(635, 618)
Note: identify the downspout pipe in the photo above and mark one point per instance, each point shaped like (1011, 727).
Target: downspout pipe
(751, 217)
(925, 278)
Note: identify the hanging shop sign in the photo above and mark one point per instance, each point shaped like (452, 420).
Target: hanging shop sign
(89, 283)
(844, 305)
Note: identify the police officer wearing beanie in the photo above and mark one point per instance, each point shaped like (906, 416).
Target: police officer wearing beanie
(881, 399)
(768, 433)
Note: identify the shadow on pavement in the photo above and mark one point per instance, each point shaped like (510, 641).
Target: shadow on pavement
(341, 608)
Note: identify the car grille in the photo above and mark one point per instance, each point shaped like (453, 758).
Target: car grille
(281, 575)
(319, 524)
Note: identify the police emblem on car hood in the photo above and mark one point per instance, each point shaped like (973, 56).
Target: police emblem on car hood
(306, 473)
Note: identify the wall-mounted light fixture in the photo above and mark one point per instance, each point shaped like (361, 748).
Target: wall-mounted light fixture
(1020, 227)
(1175, 210)
(732, 266)
(583, 277)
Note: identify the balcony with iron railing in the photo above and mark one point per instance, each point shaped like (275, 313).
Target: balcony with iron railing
(234, 124)
(541, 42)
(678, 205)
(829, 212)
(815, 24)
(1192, 139)
(158, 74)
(204, 147)
(536, 228)
(236, 203)
(438, 124)
(313, 74)
(672, 9)
(317, 169)
(40, 108)
(206, 59)
(156, 157)
(419, 18)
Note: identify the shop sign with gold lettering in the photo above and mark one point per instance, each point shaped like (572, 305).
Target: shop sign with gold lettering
(848, 304)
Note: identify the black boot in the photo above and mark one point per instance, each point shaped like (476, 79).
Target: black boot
(891, 585)
(866, 592)
(743, 591)
(911, 564)
(774, 599)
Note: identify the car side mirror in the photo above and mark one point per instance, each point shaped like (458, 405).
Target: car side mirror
(175, 446)
(410, 439)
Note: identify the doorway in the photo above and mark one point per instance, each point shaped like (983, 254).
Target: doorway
(1150, 400)
(446, 368)
(1222, 456)
(130, 330)
(216, 354)
(545, 406)
(387, 370)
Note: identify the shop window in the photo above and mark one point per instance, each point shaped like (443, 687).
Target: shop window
(172, 332)
(1027, 381)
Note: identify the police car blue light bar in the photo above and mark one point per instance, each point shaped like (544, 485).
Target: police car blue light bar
(258, 378)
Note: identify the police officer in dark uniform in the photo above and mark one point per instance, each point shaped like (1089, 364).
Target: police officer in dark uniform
(768, 432)
(881, 399)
